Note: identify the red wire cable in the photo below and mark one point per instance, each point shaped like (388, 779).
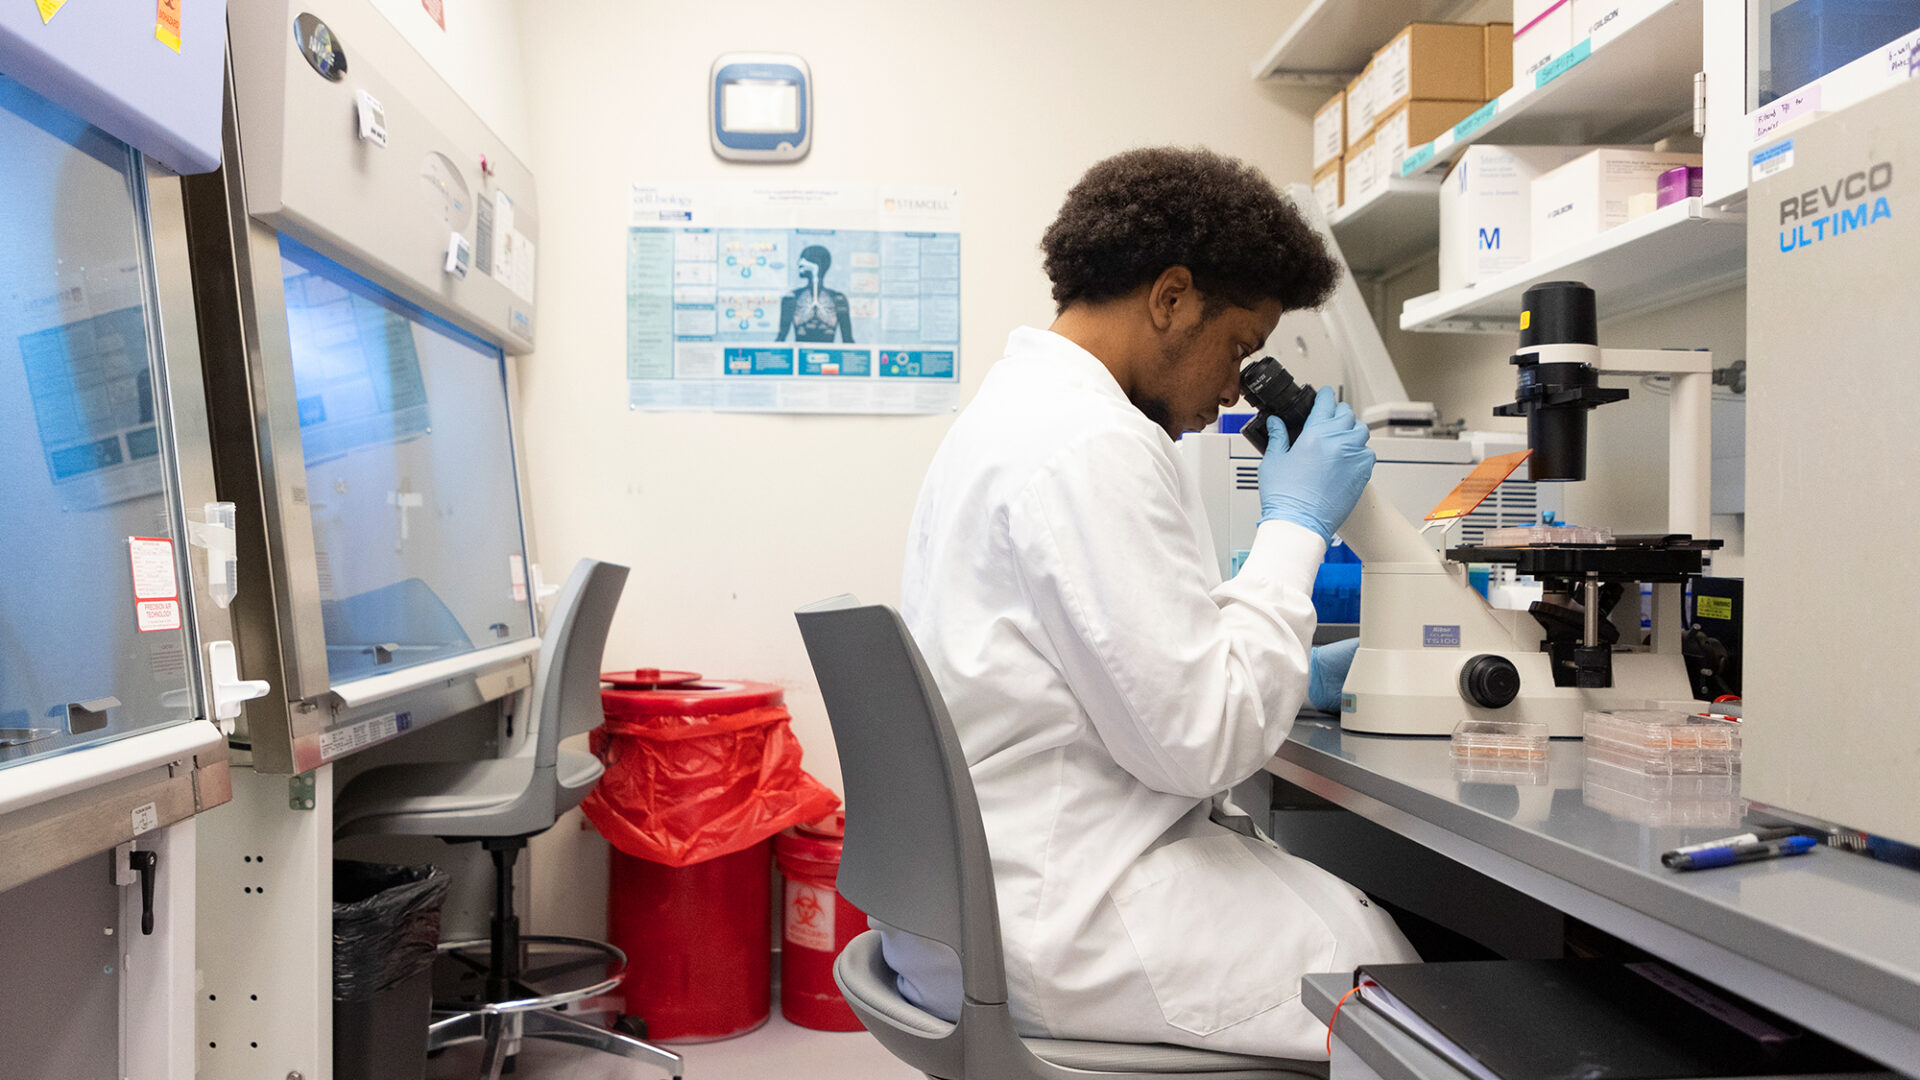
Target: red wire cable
(1336, 1016)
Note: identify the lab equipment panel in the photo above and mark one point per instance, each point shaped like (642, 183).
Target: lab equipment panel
(354, 146)
(94, 642)
(1833, 246)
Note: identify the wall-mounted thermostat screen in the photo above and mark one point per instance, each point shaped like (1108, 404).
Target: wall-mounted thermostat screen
(760, 107)
(757, 106)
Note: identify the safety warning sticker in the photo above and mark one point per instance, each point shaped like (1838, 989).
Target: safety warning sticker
(809, 922)
(156, 584)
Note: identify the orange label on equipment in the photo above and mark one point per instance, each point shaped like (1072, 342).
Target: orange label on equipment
(1479, 484)
(167, 23)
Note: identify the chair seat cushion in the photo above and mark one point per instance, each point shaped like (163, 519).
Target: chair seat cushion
(441, 790)
(864, 975)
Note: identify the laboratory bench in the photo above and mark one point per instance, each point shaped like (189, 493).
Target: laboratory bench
(1826, 939)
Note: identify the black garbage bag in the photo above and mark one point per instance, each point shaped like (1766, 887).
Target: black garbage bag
(386, 925)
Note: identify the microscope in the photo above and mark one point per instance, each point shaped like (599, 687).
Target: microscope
(1433, 652)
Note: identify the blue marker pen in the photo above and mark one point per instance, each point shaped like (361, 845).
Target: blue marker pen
(1739, 853)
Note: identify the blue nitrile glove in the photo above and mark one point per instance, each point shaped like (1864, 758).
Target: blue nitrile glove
(1316, 483)
(1327, 673)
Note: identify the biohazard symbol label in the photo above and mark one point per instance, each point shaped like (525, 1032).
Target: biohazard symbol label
(809, 921)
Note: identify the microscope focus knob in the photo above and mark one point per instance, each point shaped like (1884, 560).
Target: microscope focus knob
(1491, 682)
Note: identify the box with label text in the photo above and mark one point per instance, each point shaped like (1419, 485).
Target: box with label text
(1360, 111)
(1431, 62)
(1484, 210)
(1329, 186)
(1593, 193)
(1542, 30)
(1361, 172)
(1330, 131)
(1415, 123)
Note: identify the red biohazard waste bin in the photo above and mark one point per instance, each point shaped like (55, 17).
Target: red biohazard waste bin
(817, 922)
(700, 777)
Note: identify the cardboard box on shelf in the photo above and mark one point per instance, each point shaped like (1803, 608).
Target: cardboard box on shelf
(1360, 106)
(1485, 218)
(1542, 30)
(1431, 62)
(1498, 39)
(1415, 123)
(1330, 130)
(1593, 193)
(1360, 171)
(1329, 186)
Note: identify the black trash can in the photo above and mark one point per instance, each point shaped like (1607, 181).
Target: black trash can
(386, 926)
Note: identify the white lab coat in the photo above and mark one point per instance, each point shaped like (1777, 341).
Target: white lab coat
(1106, 685)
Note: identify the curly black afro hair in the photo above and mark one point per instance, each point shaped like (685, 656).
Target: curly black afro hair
(1137, 213)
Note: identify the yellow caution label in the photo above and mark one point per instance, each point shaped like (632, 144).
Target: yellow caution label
(166, 25)
(1713, 607)
(49, 8)
(1526, 319)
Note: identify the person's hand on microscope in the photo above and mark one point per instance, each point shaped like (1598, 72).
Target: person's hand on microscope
(1315, 482)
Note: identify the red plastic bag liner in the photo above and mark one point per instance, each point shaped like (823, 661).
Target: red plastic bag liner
(696, 770)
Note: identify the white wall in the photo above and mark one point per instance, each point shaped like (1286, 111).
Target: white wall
(731, 522)
(478, 54)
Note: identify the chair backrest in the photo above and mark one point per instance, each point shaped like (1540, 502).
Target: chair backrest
(916, 853)
(566, 688)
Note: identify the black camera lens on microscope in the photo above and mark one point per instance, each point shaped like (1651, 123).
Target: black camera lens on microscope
(1270, 389)
(1556, 395)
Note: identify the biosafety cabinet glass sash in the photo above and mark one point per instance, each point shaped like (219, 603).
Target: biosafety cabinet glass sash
(410, 475)
(94, 641)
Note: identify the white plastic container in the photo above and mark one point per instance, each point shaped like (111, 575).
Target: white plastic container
(1529, 535)
(1499, 743)
(1663, 743)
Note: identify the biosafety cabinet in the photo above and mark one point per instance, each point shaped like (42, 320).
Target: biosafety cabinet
(114, 636)
(364, 264)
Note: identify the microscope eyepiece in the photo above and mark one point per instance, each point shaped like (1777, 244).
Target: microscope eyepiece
(1271, 390)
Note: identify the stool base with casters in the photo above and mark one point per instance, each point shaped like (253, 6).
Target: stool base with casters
(561, 972)
(509, 986)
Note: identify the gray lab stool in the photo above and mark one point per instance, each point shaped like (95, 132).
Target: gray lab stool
(508, 987)
(916, 859)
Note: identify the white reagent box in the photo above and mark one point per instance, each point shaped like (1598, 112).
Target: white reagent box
(1330, 131)
(1542, 30)
(1327, 189)
(1361, 172)
(1593, 193)
(1485, 219)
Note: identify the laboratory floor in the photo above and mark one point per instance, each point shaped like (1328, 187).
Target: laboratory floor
(778, 1051)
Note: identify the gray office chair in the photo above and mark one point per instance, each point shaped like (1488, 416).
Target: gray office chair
(508, 987)
(916, 859)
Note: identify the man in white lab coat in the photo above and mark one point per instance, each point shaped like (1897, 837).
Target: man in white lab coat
(1106, 685)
